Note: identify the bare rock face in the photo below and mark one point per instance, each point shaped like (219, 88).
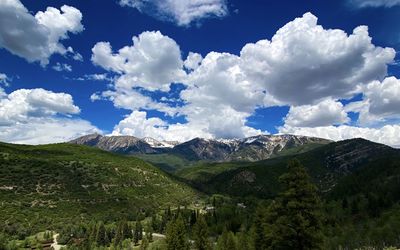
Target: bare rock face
(248, 149)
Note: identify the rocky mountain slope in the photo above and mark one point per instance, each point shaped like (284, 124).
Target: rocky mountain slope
(248, 149)
(123, 144)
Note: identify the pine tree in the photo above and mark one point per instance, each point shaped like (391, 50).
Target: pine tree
(200, 234)
(226, 241)
(243, 241)
(149, 234)
(126, 230)
(176, 237)
(119, 234)
(193, 218)
(101, 236)
(294, 218)
(93, 233)
(144, 244)
(138, 235)
(258, 229)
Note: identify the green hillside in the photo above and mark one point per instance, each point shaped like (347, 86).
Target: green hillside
(175, 163)
(167, 162)
(45, 186)
(327, 165)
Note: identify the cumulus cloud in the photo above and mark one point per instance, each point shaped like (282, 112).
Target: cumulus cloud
(388, 134)
(380, 101)
(193, 61)
(139, 125)
(325, 113)
(21, 104)
(46, 130)
(304, 63)
(133, 100)
(62, 67)
(39, 116)
(36, 38)
(152, 62)
(374, 3)
(180, 12)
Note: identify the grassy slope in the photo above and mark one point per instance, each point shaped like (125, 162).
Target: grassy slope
(43, 185)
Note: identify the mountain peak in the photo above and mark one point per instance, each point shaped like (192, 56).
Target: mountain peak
(252, 148)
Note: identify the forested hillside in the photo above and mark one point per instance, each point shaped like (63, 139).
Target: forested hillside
(44, 187)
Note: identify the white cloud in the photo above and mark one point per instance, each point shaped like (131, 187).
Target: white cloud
(4, 79)
(95, 77)
(304, 63)
(220, 97)
(74, 55)
(180, 12)
(62, 67)
(133, 100)
(46, 130)
(152, 62)
(193, 61)
(374, 3)
(380, 101)
(39, 116)
(388, 134)
(36, 38)
(21, 104)
(325, 113)
(137, 124)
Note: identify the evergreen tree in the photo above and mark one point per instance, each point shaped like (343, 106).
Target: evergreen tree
(243, 241)
(176, 237)
(200, 234)
(118, 235)
(101, 236)
(193, 218)
(226, 241)
(259, 231)
(149, 233)
(144, 244)
(138, 235)
(93, 233)
(294, 219)
(126, 230)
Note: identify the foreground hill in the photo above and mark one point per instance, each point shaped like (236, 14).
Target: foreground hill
(356, 162)
(49, 184)
(172, 156)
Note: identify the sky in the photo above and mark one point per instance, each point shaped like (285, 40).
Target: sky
(180, 69)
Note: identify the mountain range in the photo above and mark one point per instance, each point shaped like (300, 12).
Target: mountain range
(253, 148)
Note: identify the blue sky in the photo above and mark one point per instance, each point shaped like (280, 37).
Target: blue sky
(60, 80)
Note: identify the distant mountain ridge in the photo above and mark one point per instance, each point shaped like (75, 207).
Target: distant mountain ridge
(247, 149)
